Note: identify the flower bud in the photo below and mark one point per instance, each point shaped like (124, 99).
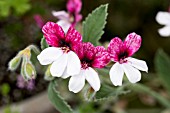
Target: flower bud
(48, 75)
(34, 49)
(89, 93)
(28, 70)
(14, 63)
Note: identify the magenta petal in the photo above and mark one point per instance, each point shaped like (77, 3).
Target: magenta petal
(89, 50)
(73, 37)
(101, 58)
(114, 48)
(78, 49)
(74, 6)
(132, 43)
(53, 33)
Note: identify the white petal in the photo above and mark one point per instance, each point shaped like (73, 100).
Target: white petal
(165, 31)
(49, 55)
(65, 24)
(139, 64)
(116, 74)
(93, 78)
(58, 67)
(62, 15)
(132, 73)
(65, 74)
(73, 65)
(163, 18)
(77, 82)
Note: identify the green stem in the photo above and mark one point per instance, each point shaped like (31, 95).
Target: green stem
(139, 88)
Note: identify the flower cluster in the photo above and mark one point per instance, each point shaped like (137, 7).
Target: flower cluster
(70, 57)
(70, 18)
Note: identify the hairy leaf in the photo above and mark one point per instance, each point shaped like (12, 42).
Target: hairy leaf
(59, 103)
(94, 24)
(107, 91)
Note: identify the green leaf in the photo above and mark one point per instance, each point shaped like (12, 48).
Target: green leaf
(19, 7)
(55, 98)
(94, 24)
(44, 44)
(107, 91)
(162, 63)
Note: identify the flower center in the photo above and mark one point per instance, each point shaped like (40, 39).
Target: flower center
(65, 49)
(122, 57)
(65, 46)
(85, 63)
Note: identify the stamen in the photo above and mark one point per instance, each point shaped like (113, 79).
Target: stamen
(122, 57)
(84, 65)
(65, 49)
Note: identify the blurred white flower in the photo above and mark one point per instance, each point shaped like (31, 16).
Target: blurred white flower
(163, 18)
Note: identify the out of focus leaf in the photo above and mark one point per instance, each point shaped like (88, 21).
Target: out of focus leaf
(44, 44)
(162, 63)
(59, 103)
(94, 24)
(19, 6)
(5, 89)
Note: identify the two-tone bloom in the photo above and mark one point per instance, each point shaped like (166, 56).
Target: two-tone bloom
(163, 18)
(61, 55)
(70, 18)
(90, 57)
(121, 52)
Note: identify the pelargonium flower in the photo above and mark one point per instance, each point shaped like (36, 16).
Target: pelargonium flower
(90, 57)
(121, 52)
(163, 18)
(61, 55)
(70, 18)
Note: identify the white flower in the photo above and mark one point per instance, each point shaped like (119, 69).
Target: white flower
(77, 82)
(120, 53)
(64, 61)
(91, 57)
(163, 18)
(63, 64)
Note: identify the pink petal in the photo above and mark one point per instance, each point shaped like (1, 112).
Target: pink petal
(114, 48)
(132, 43)
(73, 37)
(89, 50)
(101, 58)
(74, 6)
(77, 18)
(79, 50)
(53, 33)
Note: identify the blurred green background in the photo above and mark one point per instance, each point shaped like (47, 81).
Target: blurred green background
(18, 29)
